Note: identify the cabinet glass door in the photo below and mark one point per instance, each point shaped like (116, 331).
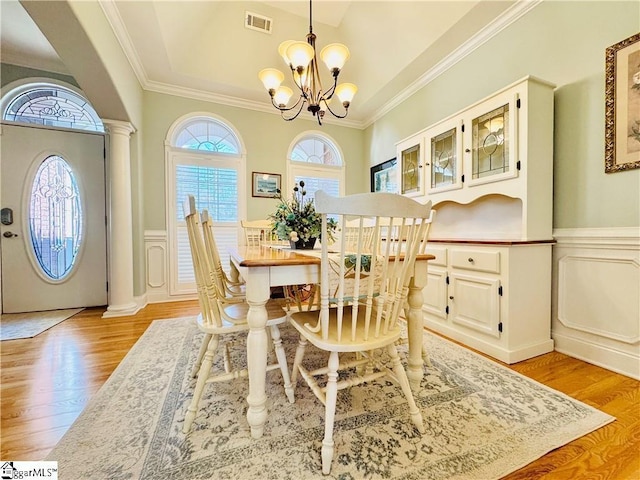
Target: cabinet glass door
(411, 181)
(491, 143)
(444, 157)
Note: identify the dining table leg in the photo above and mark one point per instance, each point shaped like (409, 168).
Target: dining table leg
(257, 292)
(415, 328)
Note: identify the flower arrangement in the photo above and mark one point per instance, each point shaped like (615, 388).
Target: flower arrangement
(296, 219)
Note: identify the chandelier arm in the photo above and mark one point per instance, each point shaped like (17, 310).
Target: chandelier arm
(303, 94)
(329, 93)
(296, 114)
(346, 112)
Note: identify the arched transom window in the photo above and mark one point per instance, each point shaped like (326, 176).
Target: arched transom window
(315, 149)
(50, 105)
(207, 135)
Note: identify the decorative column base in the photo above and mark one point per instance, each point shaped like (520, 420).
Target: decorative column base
(121, 310)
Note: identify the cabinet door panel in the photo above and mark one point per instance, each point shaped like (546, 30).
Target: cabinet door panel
(474, 303)
(435, 293)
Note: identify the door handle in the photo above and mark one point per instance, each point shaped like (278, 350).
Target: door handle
(9, 234)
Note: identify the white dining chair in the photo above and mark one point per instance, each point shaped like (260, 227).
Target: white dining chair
(258, 232)
(232, 289)
(221, 318)
(364, 286)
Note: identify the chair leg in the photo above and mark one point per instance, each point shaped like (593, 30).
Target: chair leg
(203, 375)
(398, 369)
(330, 412)
(282, 361)
(297, 360)
(203, 349)
(425, 357)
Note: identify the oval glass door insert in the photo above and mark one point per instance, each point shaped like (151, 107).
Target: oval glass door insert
(55, 218)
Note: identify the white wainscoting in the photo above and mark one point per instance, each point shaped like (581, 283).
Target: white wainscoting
(596, 297)
(157, 272)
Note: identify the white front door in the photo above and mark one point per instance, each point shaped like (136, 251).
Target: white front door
(53, 219)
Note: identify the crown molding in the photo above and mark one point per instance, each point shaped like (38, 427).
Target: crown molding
(196, 94)
(519, 9)
(117, 25)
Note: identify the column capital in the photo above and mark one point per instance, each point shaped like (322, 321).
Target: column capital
(119, 127)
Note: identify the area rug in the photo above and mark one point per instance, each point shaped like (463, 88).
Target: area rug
(482, 420)
(26, 325)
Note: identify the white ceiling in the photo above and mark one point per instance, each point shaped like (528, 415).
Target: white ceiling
(202, 48)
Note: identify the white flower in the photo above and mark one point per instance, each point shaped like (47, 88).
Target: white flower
(636, 78)
(293, 236)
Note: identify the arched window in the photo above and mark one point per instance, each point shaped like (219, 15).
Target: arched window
(205, 158)
(206, 134)
(49, 104)
(316, 159)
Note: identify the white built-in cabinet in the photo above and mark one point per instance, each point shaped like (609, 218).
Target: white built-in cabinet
(488, 170)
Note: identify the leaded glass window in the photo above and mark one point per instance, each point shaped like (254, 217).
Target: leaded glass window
(207, 135)
(54, 106)
(55, 217)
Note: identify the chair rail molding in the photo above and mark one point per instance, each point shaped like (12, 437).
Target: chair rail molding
(596, 296)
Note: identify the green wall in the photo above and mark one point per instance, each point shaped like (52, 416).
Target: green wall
(11, 73)
(266, 138)
(561, 42)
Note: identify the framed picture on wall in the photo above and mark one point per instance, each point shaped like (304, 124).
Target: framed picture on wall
(384, 177)
(265, 184)
(622, 105)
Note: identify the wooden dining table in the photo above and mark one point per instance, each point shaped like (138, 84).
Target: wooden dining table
(264, 267)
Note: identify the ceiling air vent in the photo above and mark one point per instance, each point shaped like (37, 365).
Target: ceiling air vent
(257, 22)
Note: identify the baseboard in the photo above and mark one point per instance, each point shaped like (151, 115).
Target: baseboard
(600, 355)
(476, 342)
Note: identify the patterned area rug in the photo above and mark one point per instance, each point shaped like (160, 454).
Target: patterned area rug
(26, 325)
(483, 421)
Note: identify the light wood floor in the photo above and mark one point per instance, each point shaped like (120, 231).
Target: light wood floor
(46, 381)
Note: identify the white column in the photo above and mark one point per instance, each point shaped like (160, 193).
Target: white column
(121, 300)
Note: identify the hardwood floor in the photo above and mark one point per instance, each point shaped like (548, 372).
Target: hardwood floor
(47, 380)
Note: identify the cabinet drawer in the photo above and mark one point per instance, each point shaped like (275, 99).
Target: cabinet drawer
(441, 256)
(478, 260)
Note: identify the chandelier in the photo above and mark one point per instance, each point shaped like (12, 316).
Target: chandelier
(301, 59)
